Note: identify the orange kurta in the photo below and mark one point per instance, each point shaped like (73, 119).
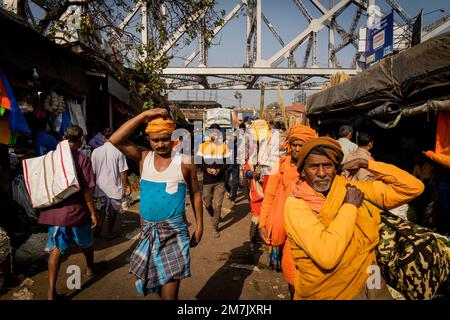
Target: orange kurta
(279, 187)
(333, 249)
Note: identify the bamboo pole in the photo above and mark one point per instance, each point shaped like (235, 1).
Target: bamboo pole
(261, 103)
(282, 107)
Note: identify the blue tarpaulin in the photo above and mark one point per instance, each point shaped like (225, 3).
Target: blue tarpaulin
(17, 121)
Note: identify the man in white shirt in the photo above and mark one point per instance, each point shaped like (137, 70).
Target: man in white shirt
(345, 137)
(110, 166)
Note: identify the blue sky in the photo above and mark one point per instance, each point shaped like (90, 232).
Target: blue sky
(228, 49)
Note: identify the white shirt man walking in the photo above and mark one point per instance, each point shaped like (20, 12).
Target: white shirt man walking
(345, 140)
(110, 168)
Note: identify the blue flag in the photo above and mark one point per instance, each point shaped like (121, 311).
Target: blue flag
(17, 122)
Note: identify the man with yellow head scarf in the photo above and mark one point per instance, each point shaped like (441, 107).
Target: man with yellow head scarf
(215, 159)
(162, 259)
(263, 157)
(333, 228)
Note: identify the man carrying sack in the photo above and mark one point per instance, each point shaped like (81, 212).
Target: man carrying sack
(71, 221)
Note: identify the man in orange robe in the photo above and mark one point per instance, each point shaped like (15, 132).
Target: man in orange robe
(279, 187)
(333, 228)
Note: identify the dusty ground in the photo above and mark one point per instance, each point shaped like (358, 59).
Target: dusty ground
(216, 265)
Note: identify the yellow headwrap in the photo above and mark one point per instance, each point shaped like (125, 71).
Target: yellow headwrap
(261, 130)
(160, 125)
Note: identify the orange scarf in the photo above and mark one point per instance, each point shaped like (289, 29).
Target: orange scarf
(313, 198)
(282, 188)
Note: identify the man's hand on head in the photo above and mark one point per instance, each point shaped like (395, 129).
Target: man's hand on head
(153, 113)
(353, 196)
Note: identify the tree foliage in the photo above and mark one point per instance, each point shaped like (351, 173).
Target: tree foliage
(122, 50)
(273, 106)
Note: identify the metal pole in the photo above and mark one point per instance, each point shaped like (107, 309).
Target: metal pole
(314, 50)
(258, 30)
(203, 45)
(261, 102)
(330, 40)
(249, 32)
(144, 32)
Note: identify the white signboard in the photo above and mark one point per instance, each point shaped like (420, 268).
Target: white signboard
(378, 40)
(221, 116)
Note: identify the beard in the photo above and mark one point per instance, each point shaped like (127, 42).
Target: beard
(322, 185)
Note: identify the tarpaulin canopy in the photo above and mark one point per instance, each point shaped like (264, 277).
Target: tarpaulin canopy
(409, 78)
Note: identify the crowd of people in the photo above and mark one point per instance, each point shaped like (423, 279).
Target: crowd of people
(316, 202)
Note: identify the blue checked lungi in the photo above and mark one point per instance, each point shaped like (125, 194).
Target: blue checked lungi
(161, 255)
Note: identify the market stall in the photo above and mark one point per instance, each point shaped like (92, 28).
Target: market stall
(402, 102)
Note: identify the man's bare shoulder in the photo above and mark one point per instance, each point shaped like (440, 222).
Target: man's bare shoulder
(144, 152)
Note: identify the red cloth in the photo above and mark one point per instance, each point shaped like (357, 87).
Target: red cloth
(256, 198)
(443, 131)
(4, 99)
(442, 153)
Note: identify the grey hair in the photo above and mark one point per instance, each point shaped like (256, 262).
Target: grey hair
(345, 130)
(73, 134)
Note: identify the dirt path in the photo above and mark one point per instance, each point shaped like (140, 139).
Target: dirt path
(229, 267)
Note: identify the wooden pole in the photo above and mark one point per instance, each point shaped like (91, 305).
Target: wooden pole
(261, 103)
(282, 107)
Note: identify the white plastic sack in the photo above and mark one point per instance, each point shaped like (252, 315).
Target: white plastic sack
(51, 178)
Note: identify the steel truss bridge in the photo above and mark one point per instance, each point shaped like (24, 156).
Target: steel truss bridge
(298, 75)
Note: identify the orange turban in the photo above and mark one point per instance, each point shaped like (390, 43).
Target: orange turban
(299, 132)
(160, 125)
(326, 146)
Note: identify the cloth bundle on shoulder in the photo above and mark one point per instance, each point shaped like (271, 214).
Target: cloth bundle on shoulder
(51, 178)
(413, 259)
